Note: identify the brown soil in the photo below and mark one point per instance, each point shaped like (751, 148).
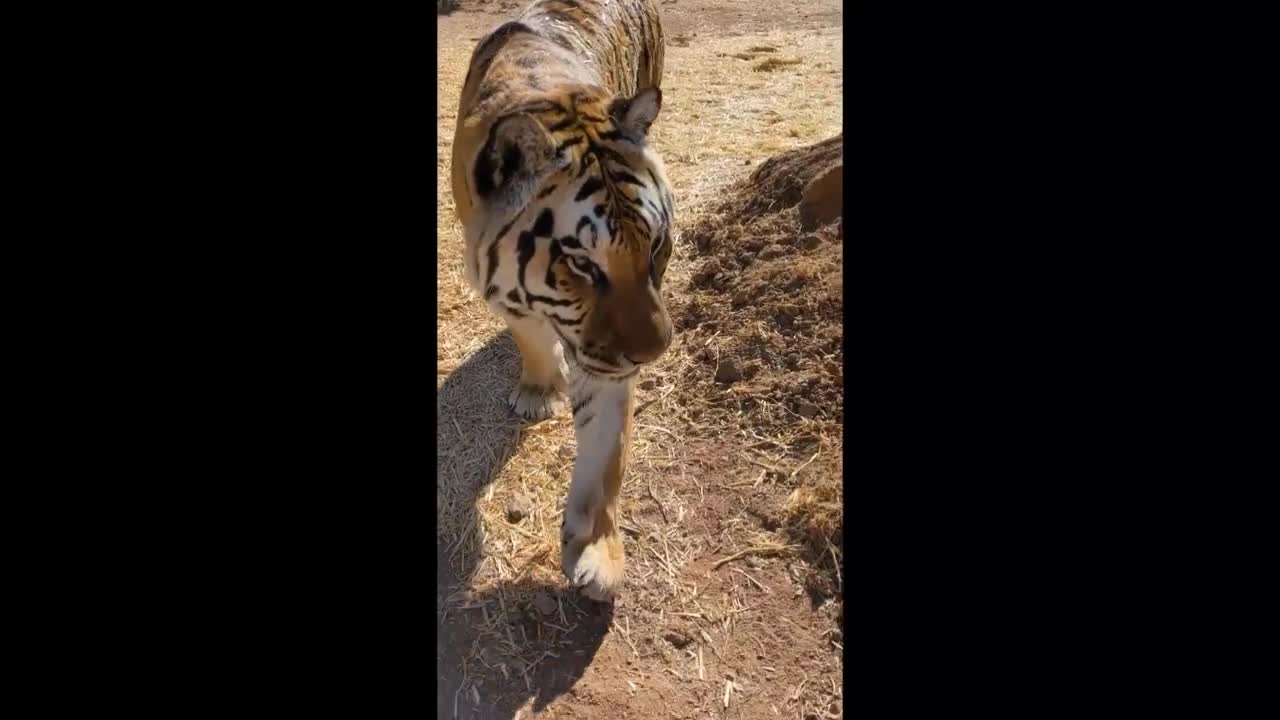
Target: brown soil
(732, 503)
(765, 303)
(766, 306)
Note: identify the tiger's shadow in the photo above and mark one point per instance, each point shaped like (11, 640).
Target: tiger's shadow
(476, 434)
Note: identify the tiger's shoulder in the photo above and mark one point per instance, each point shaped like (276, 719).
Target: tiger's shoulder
(557, 54)
(615, 44)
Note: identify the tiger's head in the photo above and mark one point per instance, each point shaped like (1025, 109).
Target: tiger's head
(577, 197)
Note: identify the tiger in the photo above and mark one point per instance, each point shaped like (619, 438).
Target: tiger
(567, 218)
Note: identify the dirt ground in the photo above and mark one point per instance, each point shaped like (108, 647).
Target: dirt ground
(731, 606)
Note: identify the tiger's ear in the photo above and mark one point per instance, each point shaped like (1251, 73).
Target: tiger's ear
(518, 153)
(635, 114)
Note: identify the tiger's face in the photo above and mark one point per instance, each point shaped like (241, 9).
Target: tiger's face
(592, 232)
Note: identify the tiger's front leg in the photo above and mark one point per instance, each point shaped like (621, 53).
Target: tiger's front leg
(590, 541)
(543, 373)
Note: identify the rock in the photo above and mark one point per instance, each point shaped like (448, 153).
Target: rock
(707, 271)
(806, 409)
(491, 655)
(779, 182)
(677, 638)
(519, 507)
(823, 200)
(771, 252)
(805, 442)
(727, 372)
(544, 603)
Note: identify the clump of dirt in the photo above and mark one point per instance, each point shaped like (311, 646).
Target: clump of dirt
(780, 181)
(774, 63)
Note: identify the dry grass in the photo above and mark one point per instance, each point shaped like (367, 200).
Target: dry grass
(719, 119)
(815, 514)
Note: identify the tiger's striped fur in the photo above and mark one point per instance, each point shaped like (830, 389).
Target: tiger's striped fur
(568, 216)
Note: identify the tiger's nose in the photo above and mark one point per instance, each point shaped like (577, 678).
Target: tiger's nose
(650, 339)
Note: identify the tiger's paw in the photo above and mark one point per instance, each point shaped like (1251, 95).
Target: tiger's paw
(535, 402)
(595, 568)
